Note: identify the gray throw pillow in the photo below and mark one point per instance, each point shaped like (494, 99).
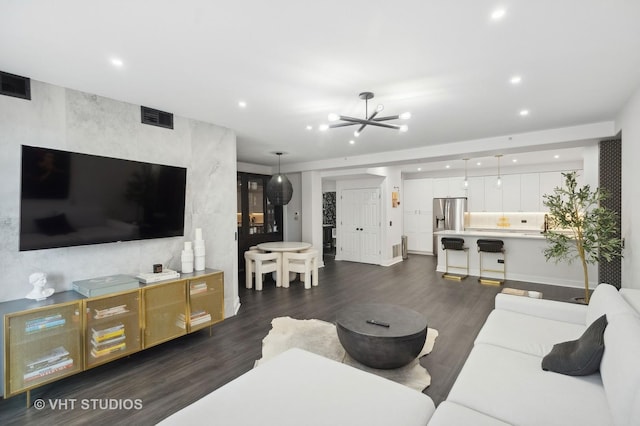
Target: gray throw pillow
(578, 357)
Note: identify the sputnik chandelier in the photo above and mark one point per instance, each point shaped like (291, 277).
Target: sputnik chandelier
(369, 120)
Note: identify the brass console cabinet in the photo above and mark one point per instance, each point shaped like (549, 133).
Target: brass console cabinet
(44, 341)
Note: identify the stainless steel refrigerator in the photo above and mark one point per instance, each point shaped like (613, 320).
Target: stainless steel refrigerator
(448, 214)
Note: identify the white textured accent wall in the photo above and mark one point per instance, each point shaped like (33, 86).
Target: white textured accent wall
(74, 121)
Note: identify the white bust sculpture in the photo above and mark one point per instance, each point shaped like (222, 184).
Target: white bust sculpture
(38, 280)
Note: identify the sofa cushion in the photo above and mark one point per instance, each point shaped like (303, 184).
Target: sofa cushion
(606, 300)
(619, 368)
(450, 413)
(579, 357)
(542, 308)
(526, 333)
(301, 388)
(511, 386)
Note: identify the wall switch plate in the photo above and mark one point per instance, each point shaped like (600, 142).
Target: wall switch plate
(501, 261)
(523, 221)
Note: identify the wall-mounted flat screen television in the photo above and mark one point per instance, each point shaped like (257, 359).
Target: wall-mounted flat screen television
(71, 199)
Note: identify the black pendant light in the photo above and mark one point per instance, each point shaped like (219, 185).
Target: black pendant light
(279, 188)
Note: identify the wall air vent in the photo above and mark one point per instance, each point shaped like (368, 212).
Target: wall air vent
(15, 85)
(155, 117)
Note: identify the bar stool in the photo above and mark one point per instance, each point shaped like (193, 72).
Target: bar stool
(492, 246)
(300, 263)
(261, 263)
(456, 244)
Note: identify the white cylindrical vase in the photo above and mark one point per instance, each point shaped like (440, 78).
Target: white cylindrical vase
(187, 258)
(199, 252)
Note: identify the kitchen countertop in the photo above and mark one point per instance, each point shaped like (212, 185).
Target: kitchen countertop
(512, 233)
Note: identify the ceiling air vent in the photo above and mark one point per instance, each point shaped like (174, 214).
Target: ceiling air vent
(155, 117)
(14, 85)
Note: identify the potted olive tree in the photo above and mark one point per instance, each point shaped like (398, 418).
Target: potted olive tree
(579, 227)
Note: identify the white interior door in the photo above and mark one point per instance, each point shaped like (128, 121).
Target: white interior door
(370, 225)
(360, 225)
(350, 226)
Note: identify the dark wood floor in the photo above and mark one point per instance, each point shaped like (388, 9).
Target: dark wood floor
(168, 377)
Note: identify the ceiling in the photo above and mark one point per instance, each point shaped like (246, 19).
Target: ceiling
(294, 62)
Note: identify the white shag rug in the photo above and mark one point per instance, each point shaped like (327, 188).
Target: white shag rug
(321, 337)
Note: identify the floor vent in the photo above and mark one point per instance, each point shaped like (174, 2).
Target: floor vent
(396, 250)
(15, 85)
(155, 117)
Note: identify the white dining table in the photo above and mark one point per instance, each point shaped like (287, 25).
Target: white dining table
(282, 246)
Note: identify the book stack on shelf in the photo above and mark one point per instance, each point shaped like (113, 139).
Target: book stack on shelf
(109, 312)
(196, 318)
(107, 340)
(56, 360)
(44, 323)
(197, 288)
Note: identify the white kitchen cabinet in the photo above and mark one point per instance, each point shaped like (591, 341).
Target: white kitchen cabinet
(492, 195)
(418, 215)
(530, 192)
(475, 194)
(440, 188)
(548, 182)
(511, 193)
(449, 187)
(417, 194)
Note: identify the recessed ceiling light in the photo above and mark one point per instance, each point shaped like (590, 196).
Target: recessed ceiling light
(309, 127)
(447, 166)
(556, 156)
(498, 14)
(117, 62)
(515, 160)
(516, 79)
(352, 141)
(323, 127)
(419, 169)
(242, 104)
(478, 164)
(524, 112)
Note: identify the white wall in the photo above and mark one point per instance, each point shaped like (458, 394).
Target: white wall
(628, 121)
(69, 120)
(293, 222)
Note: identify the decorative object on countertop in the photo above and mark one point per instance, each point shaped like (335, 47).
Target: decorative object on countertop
(579, 227)
(279, 188)
(187, 258)
(38, 280)
(198, 251)
(503, 222)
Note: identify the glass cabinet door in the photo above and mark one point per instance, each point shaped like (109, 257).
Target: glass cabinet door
(258, 220)
(43, 345)
(256, 206)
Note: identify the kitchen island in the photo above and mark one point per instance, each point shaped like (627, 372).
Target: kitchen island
(524, 258)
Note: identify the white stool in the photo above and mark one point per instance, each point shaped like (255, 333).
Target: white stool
(261, 263)
(314, 264)
(300, 263)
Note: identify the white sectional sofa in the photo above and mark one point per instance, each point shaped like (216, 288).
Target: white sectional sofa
(502, 381)
(299, 388)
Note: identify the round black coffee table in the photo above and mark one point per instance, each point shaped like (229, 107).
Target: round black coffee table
(381, 335)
